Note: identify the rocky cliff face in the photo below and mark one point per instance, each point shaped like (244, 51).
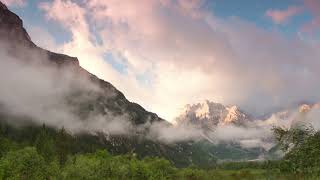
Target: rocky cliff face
(209, 115)
(16, 38)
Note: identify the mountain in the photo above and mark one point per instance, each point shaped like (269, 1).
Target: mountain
(88, 109)
(16, 39)
(209, 115)
(216, 121)
(213, 119)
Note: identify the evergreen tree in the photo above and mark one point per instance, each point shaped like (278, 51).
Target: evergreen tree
(45, 144)
(62, 146)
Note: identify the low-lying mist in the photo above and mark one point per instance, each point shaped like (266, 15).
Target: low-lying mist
(39, 91)
(34, 88)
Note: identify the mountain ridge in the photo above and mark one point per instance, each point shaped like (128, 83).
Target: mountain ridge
(17, 38)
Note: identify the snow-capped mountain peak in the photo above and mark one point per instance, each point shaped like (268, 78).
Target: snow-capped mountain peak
(234, 115)
(209, 115)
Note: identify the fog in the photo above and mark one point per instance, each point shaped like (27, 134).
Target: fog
(33, 88)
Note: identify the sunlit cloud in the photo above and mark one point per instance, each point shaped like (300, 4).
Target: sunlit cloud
(283, 16)
(187, 54)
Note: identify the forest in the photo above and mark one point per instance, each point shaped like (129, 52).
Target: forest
(41, 152)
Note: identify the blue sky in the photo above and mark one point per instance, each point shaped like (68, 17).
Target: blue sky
(254, 11)
(33, 16)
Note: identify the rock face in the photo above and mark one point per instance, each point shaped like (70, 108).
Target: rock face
(209, 115)
(11, 28)
(16, 37)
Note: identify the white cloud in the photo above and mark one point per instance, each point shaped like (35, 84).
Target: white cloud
(43, 38)
(188, 54)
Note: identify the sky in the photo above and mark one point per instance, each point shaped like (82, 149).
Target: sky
(163, 54)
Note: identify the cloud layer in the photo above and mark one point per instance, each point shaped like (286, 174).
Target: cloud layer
(175, 52)
(33, 89)
(39, 91)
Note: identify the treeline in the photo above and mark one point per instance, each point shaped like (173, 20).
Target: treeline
(27, 163)
(49, 142)
(33, 152)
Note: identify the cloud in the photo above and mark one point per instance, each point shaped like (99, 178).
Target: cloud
(32, 88)
(14, 2)
(36, 90)
(187, 54)
(43, 38)
(283, 16)
(310, 6)
(259, 134)
(171, 134)
(311, 117)
(314, 8)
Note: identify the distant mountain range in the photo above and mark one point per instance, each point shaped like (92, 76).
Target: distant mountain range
(217, 122)
(209, 115)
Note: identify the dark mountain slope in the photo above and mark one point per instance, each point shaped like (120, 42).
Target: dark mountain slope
(16, 39)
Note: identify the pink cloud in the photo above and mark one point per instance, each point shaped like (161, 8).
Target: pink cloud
(189, 54)
(282, 16)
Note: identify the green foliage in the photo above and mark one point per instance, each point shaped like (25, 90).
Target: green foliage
(248, 165)
(6, 145)
(83, 167)
(62, 146)
(45, 145)
(304, 158)
(26, 164)
(192, 174)
(58, 155)
(101, 165)
(158, 168)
